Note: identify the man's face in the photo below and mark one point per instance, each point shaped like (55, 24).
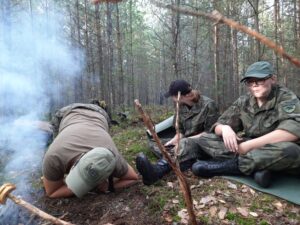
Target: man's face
(184, 99)
(260, 88)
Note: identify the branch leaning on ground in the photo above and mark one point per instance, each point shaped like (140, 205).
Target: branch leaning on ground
(219, 18)
(5, 192)
(182, 181)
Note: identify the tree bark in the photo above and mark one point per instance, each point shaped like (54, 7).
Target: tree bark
(110, 58)
(100, 52)
(120, 59)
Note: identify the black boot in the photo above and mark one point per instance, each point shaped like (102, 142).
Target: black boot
(209, 169)
(263, 178)
(151, 173)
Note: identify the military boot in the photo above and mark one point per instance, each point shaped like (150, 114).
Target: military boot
(209, 169)
(263, 178)
(151, 173)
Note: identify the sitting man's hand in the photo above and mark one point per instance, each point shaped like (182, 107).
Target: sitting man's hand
(230, 138)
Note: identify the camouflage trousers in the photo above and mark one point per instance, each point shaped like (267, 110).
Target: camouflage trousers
(274, 157)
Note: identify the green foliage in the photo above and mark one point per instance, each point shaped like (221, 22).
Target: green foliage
(238, 219)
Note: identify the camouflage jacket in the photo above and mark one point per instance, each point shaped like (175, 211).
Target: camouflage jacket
(61, 113)
(281, 111)
(200, 117)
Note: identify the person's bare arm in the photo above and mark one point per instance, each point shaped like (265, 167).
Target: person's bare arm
(56, 189)
(127, 180)
(270, 138)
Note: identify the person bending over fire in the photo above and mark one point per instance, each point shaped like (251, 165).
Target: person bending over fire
(83, 156)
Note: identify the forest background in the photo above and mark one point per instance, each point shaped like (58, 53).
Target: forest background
(134, 49)
(55, 52)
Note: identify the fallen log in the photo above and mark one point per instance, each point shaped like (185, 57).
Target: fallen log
(5, 192)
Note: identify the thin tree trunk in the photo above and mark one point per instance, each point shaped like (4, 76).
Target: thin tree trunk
(195, 73)
(175, 34)
(216, 64)
(120, 59)
(110, 57)
(132, 82)
(256, 19)
(100, 52)
(79, 82)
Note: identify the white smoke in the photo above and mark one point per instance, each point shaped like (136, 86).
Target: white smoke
(37, 65)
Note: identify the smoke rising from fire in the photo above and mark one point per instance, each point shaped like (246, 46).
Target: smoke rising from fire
(37, 66)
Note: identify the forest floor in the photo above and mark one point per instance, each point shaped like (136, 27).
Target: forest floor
(216, 201)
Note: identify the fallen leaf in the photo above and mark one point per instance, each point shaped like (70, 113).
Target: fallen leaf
(199, 206)
(232, 185)
(222, 201)
(278, 206)
(207, 199)
(167, 217)
(244, 190)
(252, 191)
(222, 213)
(243, 211)
(175, 201)
(213, 211)
(184, 216)
(170, 185)
(254, 214)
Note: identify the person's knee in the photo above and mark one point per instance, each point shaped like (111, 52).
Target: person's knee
(291, 151)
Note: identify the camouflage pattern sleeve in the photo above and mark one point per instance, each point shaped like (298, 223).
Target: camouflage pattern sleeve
(211, 116)
(289, 112)
(231, 116)
(56, 119)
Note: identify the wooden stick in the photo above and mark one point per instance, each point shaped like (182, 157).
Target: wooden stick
(37, 211)
(218, 17)
(177, 128)
(182, 181)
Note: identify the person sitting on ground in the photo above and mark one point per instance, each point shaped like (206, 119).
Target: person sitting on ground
(197, 113)
(85, 153)
(259, 133)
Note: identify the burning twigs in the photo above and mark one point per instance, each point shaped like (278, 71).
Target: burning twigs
(5, 191)
(182, 181)
(219, 18)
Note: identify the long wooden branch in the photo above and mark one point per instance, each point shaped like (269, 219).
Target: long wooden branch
(182, 181)
(37, 211)
(218, 17)
(177, 128)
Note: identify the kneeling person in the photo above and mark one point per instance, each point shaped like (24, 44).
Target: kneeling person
(85, 153)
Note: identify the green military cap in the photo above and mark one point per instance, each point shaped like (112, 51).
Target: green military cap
(259, 69)
(92, 168)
